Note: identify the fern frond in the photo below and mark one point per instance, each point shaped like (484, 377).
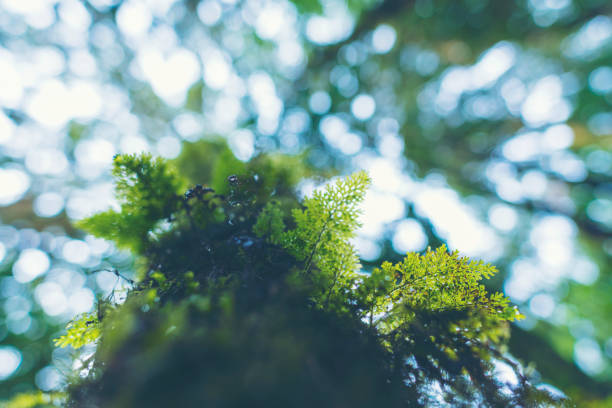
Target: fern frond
(80, 332)
(323, 229)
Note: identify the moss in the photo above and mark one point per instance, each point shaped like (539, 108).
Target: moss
(249, 302)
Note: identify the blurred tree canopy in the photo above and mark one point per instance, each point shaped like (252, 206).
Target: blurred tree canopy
(485, 125)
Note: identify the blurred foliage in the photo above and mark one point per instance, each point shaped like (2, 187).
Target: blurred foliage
(502, 107)
(35, 400)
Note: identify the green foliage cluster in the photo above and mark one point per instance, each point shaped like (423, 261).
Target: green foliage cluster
(321, 237)
(80, 331)
(35, 400)
(436, 281)
(249, 298)
(146, 190)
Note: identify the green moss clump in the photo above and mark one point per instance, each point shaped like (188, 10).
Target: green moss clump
(250, 298)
